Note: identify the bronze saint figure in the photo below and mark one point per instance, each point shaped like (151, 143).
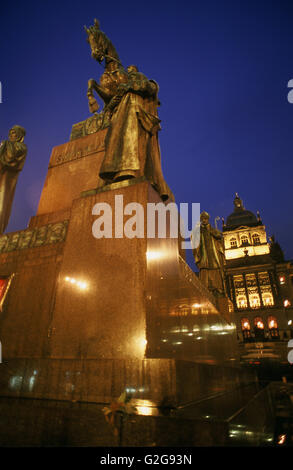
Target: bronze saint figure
(130, 107)
(210, 256)
(12, 158)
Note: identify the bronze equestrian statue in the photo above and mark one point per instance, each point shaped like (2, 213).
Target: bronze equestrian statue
(130, 107)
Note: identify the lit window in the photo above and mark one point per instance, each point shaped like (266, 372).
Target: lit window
(245, 325)
(250, 280)
(256, 239)
(267, 299)
(264, 278)
(238, 281)
(272, 323)
(282, 280)
(244, 240)
(233, 243)
(254, 301)
(258, 322)
(241, 301)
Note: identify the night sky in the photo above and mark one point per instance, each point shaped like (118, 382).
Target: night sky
(222, 67)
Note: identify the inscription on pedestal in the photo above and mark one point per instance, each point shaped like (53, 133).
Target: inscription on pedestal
(76, 149)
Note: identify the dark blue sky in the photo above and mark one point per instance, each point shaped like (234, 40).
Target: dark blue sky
(222, 66)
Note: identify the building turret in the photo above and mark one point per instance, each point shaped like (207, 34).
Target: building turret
(244, 233)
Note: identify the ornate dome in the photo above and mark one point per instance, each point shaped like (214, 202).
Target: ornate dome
(241, 216)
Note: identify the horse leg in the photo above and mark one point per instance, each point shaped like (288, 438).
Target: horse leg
(93, 85)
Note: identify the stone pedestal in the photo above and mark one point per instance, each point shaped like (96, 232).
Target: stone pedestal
(73, 168)
(108, 318)
(85, 318)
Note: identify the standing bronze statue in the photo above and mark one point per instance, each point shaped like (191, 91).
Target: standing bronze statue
(130, 108)
(12, 158)
(210, 257)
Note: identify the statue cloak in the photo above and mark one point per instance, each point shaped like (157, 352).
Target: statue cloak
(132, 141)
(12, 158)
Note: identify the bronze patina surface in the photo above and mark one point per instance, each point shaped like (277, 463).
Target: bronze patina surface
(30, 238)
(210, 257)
(130, 107)
(12, 158)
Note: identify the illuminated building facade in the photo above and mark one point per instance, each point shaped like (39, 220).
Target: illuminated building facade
(259, 281)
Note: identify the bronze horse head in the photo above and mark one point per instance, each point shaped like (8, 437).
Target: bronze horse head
(101, 46)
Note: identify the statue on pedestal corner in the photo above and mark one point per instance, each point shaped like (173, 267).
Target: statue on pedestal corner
(130, 109)
(276, 251)
(12, 157)
(209, 257)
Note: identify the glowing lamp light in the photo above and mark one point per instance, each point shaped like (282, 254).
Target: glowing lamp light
(287, 303)
(290, 322)
(139, 344)
(281, 439)
(145, 408)
(282, 280)
(216, 327)
(153, 255)
(82, 285)
(230, 327)
(259, 324)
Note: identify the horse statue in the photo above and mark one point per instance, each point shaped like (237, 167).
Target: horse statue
(130, 114)
(114, 73)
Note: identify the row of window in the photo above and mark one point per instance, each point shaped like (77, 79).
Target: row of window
(244, 241)
(253, 290)
(252, 279)
(259, 323)
(254, 300)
